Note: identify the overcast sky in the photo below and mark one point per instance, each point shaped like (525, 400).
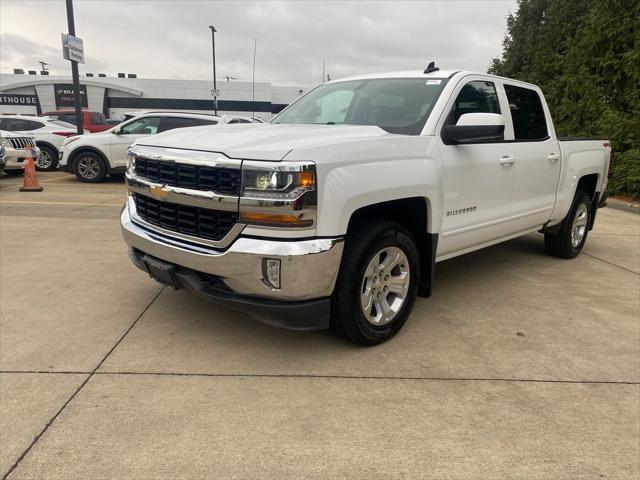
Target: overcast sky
(171, 39)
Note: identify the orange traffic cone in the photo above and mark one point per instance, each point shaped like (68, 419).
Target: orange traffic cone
(30, 180)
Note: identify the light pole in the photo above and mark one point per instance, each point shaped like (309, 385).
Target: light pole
(215, 85)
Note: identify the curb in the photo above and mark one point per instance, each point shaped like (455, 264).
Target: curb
(623, 205)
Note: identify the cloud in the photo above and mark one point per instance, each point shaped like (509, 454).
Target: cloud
(171, 39)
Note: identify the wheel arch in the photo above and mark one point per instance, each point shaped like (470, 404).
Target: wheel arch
(44, 143)
(413, 213)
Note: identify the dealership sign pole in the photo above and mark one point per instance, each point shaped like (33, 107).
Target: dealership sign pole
(73, 50)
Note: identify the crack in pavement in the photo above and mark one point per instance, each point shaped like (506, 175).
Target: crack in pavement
(610, 263)
(80, 387)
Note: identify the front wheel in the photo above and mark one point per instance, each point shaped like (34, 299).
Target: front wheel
(377, 284)
(569, 240)
(90, 168)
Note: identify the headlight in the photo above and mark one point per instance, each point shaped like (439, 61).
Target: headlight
(278, 195)
(5, 142)
(131, 161)
(267, 183)
(68, 140)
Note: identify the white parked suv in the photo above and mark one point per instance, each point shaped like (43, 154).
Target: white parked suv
(49, 134)
(15, 153)
(336, 212)
(92, 157)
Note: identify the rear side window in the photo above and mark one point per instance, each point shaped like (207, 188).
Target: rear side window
(475, 97)
(20, 124)
(529, 122)
(169, 123)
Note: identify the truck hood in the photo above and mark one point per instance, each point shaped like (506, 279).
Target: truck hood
(259, 141)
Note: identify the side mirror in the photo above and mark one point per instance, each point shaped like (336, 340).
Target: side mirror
(475, 128)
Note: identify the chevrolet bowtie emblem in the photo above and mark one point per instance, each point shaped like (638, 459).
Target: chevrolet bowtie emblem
(158, 192)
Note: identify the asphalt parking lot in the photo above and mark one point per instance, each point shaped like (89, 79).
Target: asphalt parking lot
(519, 366)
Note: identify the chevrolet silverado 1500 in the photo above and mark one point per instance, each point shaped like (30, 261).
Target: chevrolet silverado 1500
(335, 213)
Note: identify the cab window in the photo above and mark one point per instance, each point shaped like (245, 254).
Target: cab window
(529, 122)
(475, 97)
(66, 117)
(142, 126)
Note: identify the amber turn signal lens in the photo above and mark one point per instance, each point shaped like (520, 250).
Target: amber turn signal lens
(306, 179)
(268, 219)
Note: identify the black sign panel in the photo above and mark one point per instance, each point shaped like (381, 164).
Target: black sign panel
(18, 99)
(64, 95)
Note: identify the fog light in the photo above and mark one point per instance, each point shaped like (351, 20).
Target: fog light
(271, 272)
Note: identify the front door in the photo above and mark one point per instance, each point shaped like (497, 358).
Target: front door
(478, 178)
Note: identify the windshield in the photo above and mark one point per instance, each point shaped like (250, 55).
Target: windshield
(397, 105)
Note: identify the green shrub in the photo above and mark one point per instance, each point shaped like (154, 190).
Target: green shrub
(625, 174)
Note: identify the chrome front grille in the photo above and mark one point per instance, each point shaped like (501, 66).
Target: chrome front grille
(225, 181)
(189, 195)
(20, 143)
(184, 219)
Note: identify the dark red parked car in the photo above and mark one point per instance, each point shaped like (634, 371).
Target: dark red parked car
(91, 121)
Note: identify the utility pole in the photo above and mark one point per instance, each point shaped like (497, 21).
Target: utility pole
(215, 85)
(74, 70)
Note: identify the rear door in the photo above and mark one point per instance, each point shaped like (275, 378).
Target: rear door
(478, 183)
(537, 156)
(139, 128)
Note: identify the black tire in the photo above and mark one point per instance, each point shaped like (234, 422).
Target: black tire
(560, 244)
(52, 160)
(363, 243)
(89, 167)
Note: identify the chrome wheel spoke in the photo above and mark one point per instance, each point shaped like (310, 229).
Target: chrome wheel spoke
(391, 259)
(386, 314)
(399, 284)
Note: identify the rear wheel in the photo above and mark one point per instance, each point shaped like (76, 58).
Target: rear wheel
(90, 168)
(47, 159)
(569, 240)
(377, 284)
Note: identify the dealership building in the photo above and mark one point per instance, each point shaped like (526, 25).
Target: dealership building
(113, 96)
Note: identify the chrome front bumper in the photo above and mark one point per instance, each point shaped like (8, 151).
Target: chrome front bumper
(309, 268)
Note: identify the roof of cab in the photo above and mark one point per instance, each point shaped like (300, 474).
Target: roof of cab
(404, 74)
(421, 74)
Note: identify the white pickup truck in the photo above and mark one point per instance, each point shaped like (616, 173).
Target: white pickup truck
(335, 213)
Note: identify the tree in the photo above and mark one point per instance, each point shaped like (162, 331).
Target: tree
(585, 55)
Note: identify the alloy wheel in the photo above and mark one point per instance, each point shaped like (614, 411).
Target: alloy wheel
(385, 286)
